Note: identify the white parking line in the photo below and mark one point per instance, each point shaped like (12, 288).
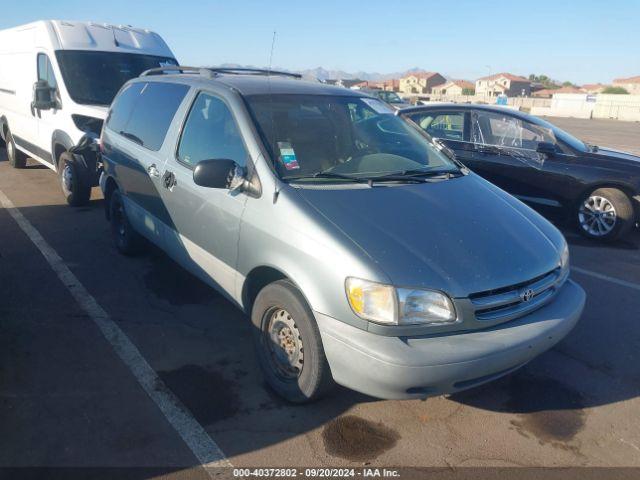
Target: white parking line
(607, 278)
(194, 435)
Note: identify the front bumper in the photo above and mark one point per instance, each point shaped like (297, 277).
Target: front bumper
(398, 368)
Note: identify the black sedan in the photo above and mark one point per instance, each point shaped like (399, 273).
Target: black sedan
(540, 164)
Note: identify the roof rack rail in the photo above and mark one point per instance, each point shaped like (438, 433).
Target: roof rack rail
(213, 71)
(253, 71)
(171, 68)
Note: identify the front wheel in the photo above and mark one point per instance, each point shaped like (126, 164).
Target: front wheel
(288, 344)
(16, 158)
(74, 179)
(605, 214)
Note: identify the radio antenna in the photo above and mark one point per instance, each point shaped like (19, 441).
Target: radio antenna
(274, 152)
(273, 44)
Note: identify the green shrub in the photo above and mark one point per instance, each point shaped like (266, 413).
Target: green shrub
(617, 90)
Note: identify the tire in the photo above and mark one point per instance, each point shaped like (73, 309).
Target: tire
(127, 240)
(74, 179)
(17, 159)
(280, 307)
(605, 214)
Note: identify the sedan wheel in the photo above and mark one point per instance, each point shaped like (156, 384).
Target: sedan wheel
(597, 216)
(605, 214)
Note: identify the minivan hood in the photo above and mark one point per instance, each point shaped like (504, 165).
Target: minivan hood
(461, 235)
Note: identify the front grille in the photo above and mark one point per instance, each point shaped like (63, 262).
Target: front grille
(517, 300)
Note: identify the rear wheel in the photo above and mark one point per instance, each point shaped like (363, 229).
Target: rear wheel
(605, 214)
(17, 159)
(74, 179)
(127, 240)
(288, 344)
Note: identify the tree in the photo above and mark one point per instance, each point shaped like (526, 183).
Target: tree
(616, 90)
(468, 91)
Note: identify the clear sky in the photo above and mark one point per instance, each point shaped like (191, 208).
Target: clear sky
(580, 41)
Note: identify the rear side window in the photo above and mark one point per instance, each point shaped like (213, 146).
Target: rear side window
(143, 112)
(151, 116)
(123, 106)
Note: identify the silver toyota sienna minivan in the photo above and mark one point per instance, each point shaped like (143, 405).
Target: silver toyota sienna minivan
(364, 254)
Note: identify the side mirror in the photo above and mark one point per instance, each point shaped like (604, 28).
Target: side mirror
(219, 173)
(43, 96)
(547, 148)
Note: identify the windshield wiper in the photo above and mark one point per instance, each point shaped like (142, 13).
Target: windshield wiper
(339, 176)
(416, 174)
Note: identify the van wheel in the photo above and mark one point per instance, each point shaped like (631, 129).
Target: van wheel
(17, 159)
(127, 240)
(605, 214)
(74, 179)
(288, 344)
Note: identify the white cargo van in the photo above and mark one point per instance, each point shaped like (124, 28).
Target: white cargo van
(57, 80)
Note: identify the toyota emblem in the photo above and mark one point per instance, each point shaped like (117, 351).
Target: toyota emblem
(526, 295)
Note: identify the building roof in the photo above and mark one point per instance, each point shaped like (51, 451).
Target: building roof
(463, 84)
(509, 76)
(635, 79)
(425, 75)
(593, 86)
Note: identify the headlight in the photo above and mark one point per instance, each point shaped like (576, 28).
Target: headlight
(372, 301)
(564, 258)
(388, 305)
(425, 307)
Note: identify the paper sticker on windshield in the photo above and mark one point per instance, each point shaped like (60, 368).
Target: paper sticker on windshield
(378, 106)
(288, 156)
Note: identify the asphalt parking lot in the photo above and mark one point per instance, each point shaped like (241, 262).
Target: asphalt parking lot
(69, 399)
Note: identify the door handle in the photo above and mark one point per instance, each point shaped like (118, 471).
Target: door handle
(153, 171)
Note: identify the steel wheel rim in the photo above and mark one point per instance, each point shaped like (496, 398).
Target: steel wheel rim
(67, 178)
(597, 216)
(284, 344)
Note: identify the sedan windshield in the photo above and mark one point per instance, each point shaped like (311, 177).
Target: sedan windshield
(94, 78)
(390, 97)
(563, 136)
(343, 138)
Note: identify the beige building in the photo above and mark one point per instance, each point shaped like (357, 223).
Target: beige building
(454, 87)
(391, 85)
(421, 82)
(631, 84)
(507, 83)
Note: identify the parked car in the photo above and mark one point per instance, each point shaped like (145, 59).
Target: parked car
(599, 188)
(362, 253)
(392, 98)
(57, 79)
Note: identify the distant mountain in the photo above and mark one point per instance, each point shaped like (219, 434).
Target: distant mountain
(323, 74)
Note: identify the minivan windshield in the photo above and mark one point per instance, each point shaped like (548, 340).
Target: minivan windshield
(341, 138)
(94, 78)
